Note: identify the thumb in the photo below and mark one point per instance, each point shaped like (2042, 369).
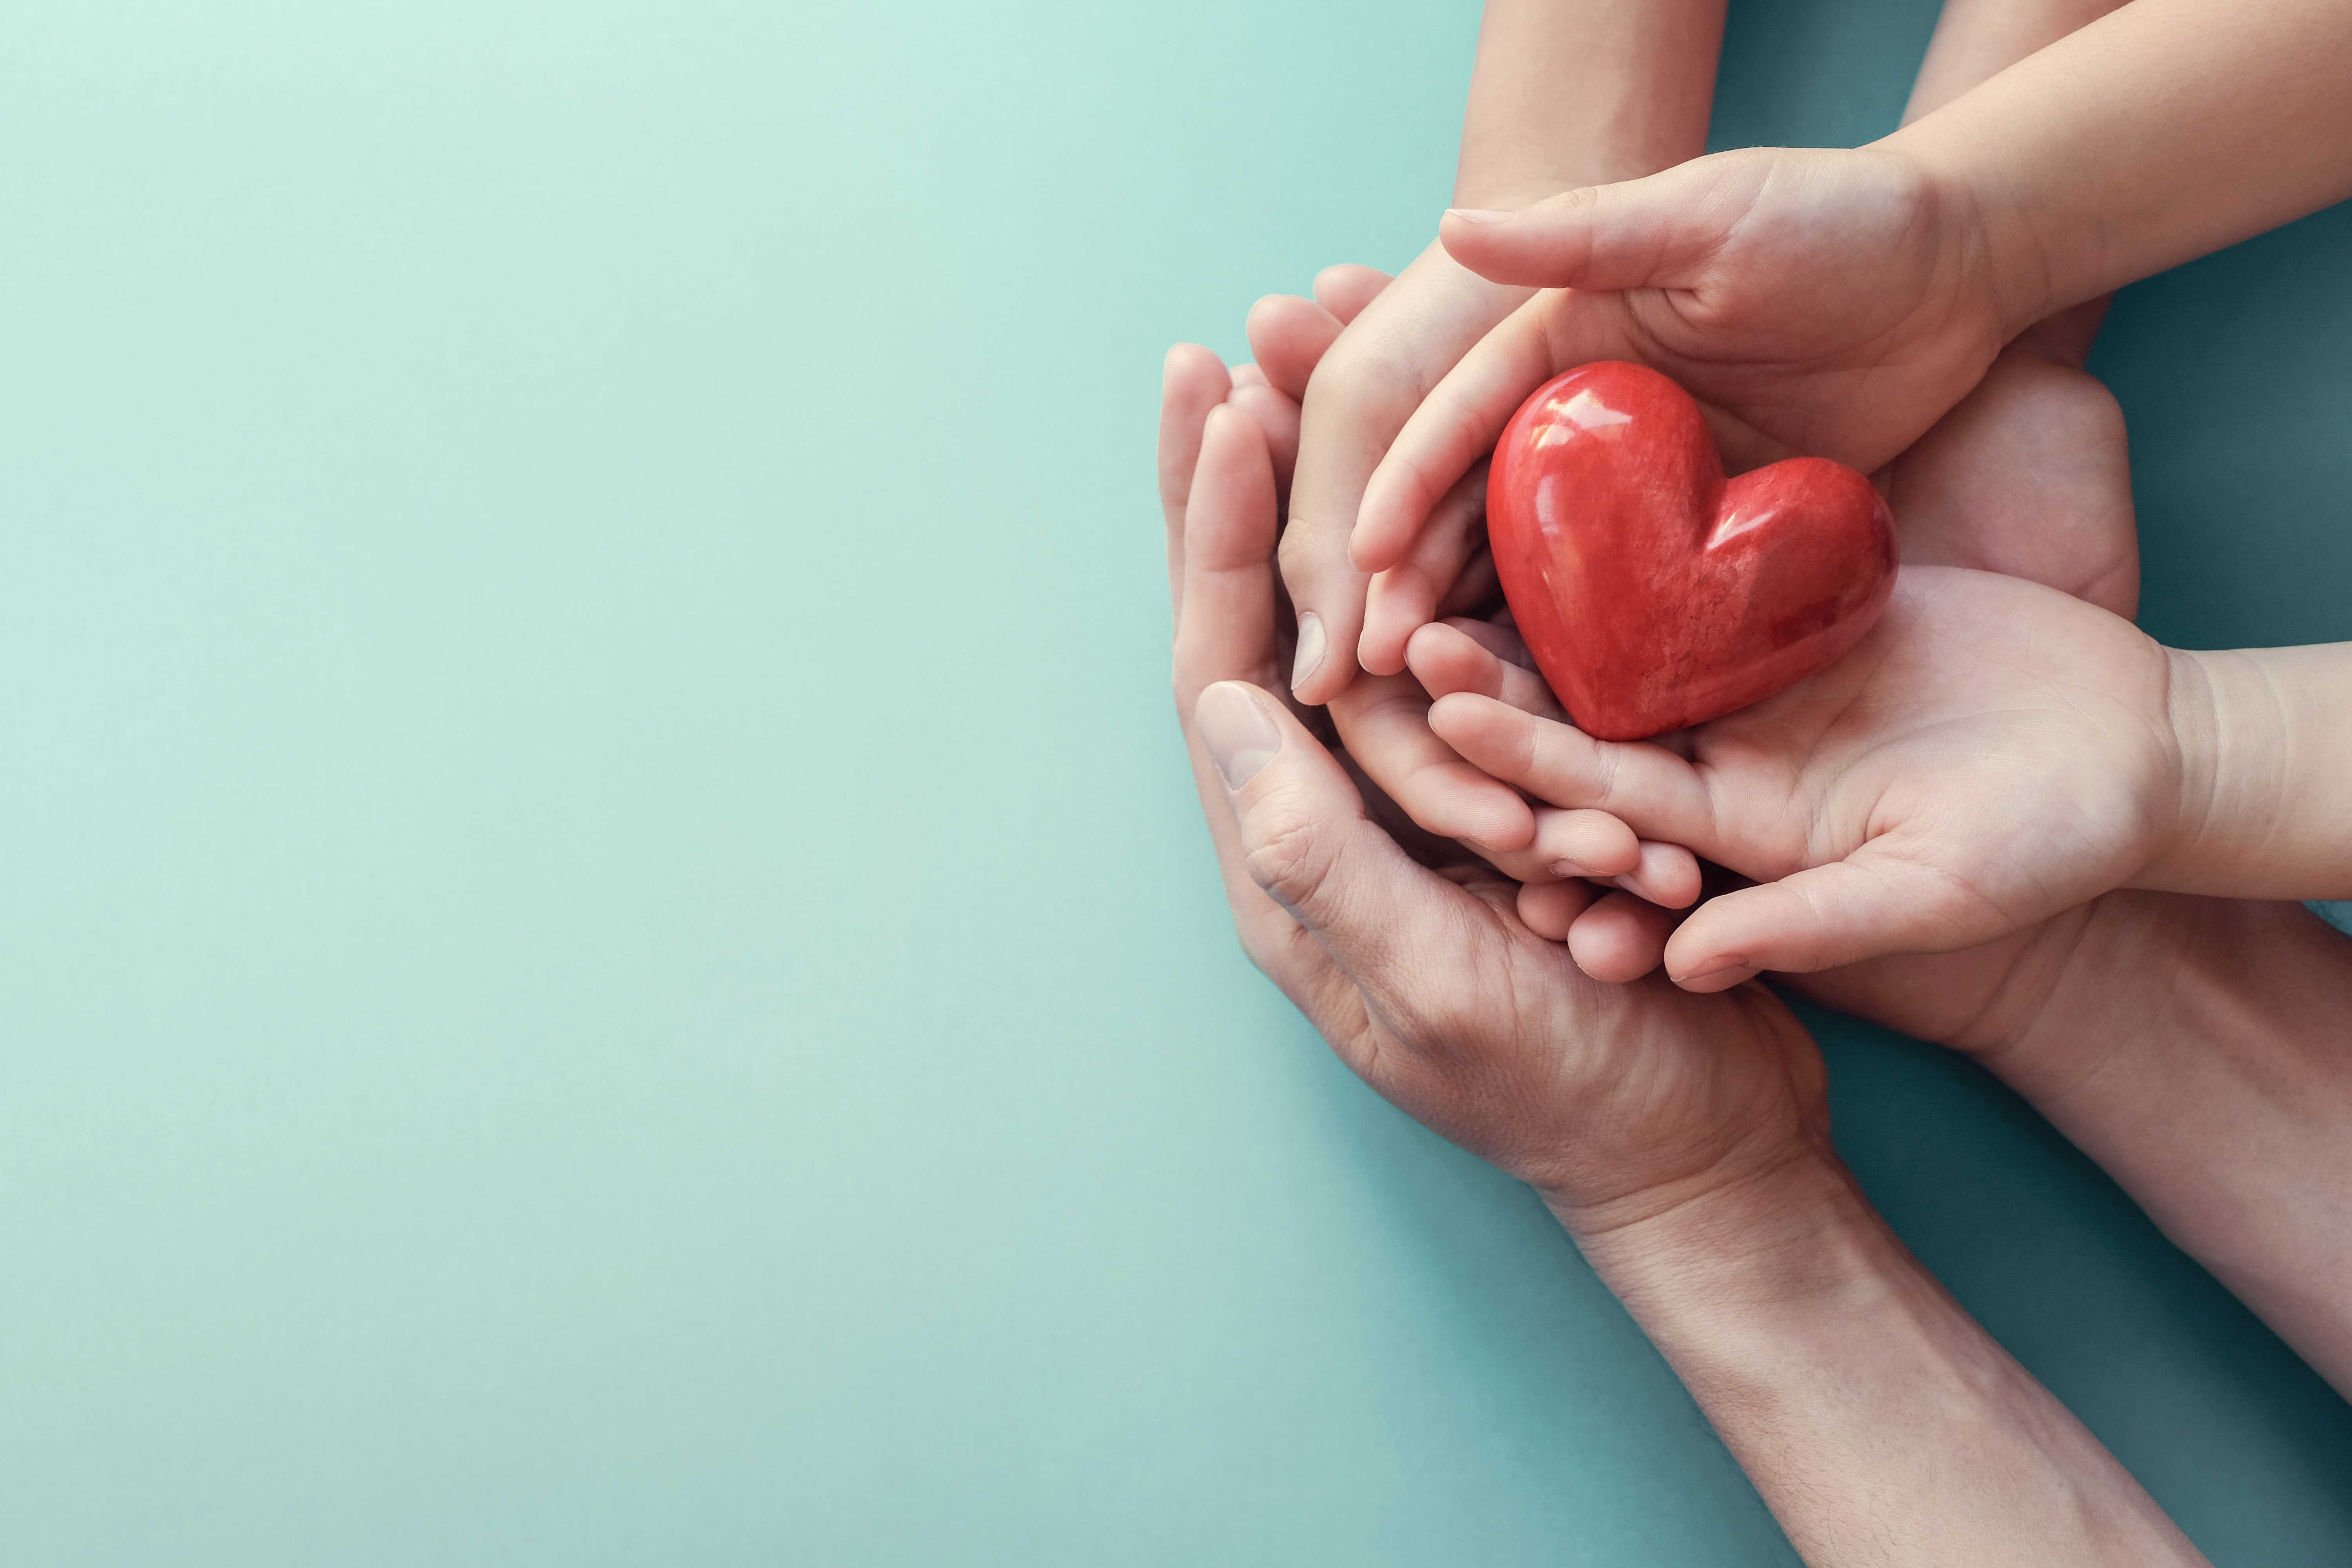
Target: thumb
(1869, 905)
(1307, 843)
(1649, 233)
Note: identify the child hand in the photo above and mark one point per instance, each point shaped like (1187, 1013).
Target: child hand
(1993, 752)
(1833, 303)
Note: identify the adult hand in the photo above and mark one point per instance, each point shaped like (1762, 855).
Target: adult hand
(1682, 1140)
(1618, 1103)
(2030, 475)
(1384, 718)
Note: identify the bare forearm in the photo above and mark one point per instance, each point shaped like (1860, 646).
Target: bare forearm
(1977, 39)
(2265, 736)
(1879, 1422)
(2197, 1049)
(1572, 93)
(2162, 132)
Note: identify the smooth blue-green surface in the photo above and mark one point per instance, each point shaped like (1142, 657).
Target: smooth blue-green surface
(604, 953)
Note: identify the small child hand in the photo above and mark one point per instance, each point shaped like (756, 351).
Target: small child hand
(1994, 752)
(1824, 302)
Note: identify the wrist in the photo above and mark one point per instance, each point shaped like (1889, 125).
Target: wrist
(2193, 723)
(1772, 1241)
(2008, 268)
(2264, 752)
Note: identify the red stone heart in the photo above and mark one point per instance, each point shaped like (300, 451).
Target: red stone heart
(1652, 594)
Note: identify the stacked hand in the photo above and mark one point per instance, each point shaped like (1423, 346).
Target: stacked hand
(1986, 824)
(1621, 1104)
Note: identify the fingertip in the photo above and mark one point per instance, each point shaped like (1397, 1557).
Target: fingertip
(1582, 842)
(1369, 550)
(1706, 956)
(1241, 733)
(1275, 417)
(1386, 519)
(1667, 874)
(1446, 661)
(1467, 234)
(1720, 976)
(1448, 708)
(1455, 801)
(1549, 909)
(1308, 656)
(1452, 714)
(1225, 423)
(1181, 355)
(1619, 939)
(1396, 603)
(1345, 290)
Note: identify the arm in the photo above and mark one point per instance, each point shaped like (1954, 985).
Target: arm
(1840, 302)
(2195, 1048)
(1564, 93)
(1976, 39)
(1567, 92)
(2265, 737)
(2156, 134)
(1681, 1140)
(1880, 1422)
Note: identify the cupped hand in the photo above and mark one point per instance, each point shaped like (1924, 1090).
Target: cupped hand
(2030, 474)
(1619, 1102)
(1356, 398)
(1992, 753)
(1832, 303)
(1383, 720)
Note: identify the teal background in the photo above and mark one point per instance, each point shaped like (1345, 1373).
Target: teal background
(604, 953)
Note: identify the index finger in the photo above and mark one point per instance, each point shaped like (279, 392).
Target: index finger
(1464, 415)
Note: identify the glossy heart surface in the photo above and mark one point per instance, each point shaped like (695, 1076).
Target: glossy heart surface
(1655, 593)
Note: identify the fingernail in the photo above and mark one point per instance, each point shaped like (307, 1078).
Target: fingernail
(1480, 214)
(1568, 868)
(1310, 648)
(1241, 735)
(1723, 975)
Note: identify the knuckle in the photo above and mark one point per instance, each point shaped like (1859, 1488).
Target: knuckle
(1606, 760)
(1286, 856)
(1368, 377)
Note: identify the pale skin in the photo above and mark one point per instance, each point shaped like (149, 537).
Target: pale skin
(1961, 494)
(1564, 93)
(2241, 1014)
(1840, 302)
(1681, 1140)
(2192, 1045)
(1992, 753)
(2034, 411)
